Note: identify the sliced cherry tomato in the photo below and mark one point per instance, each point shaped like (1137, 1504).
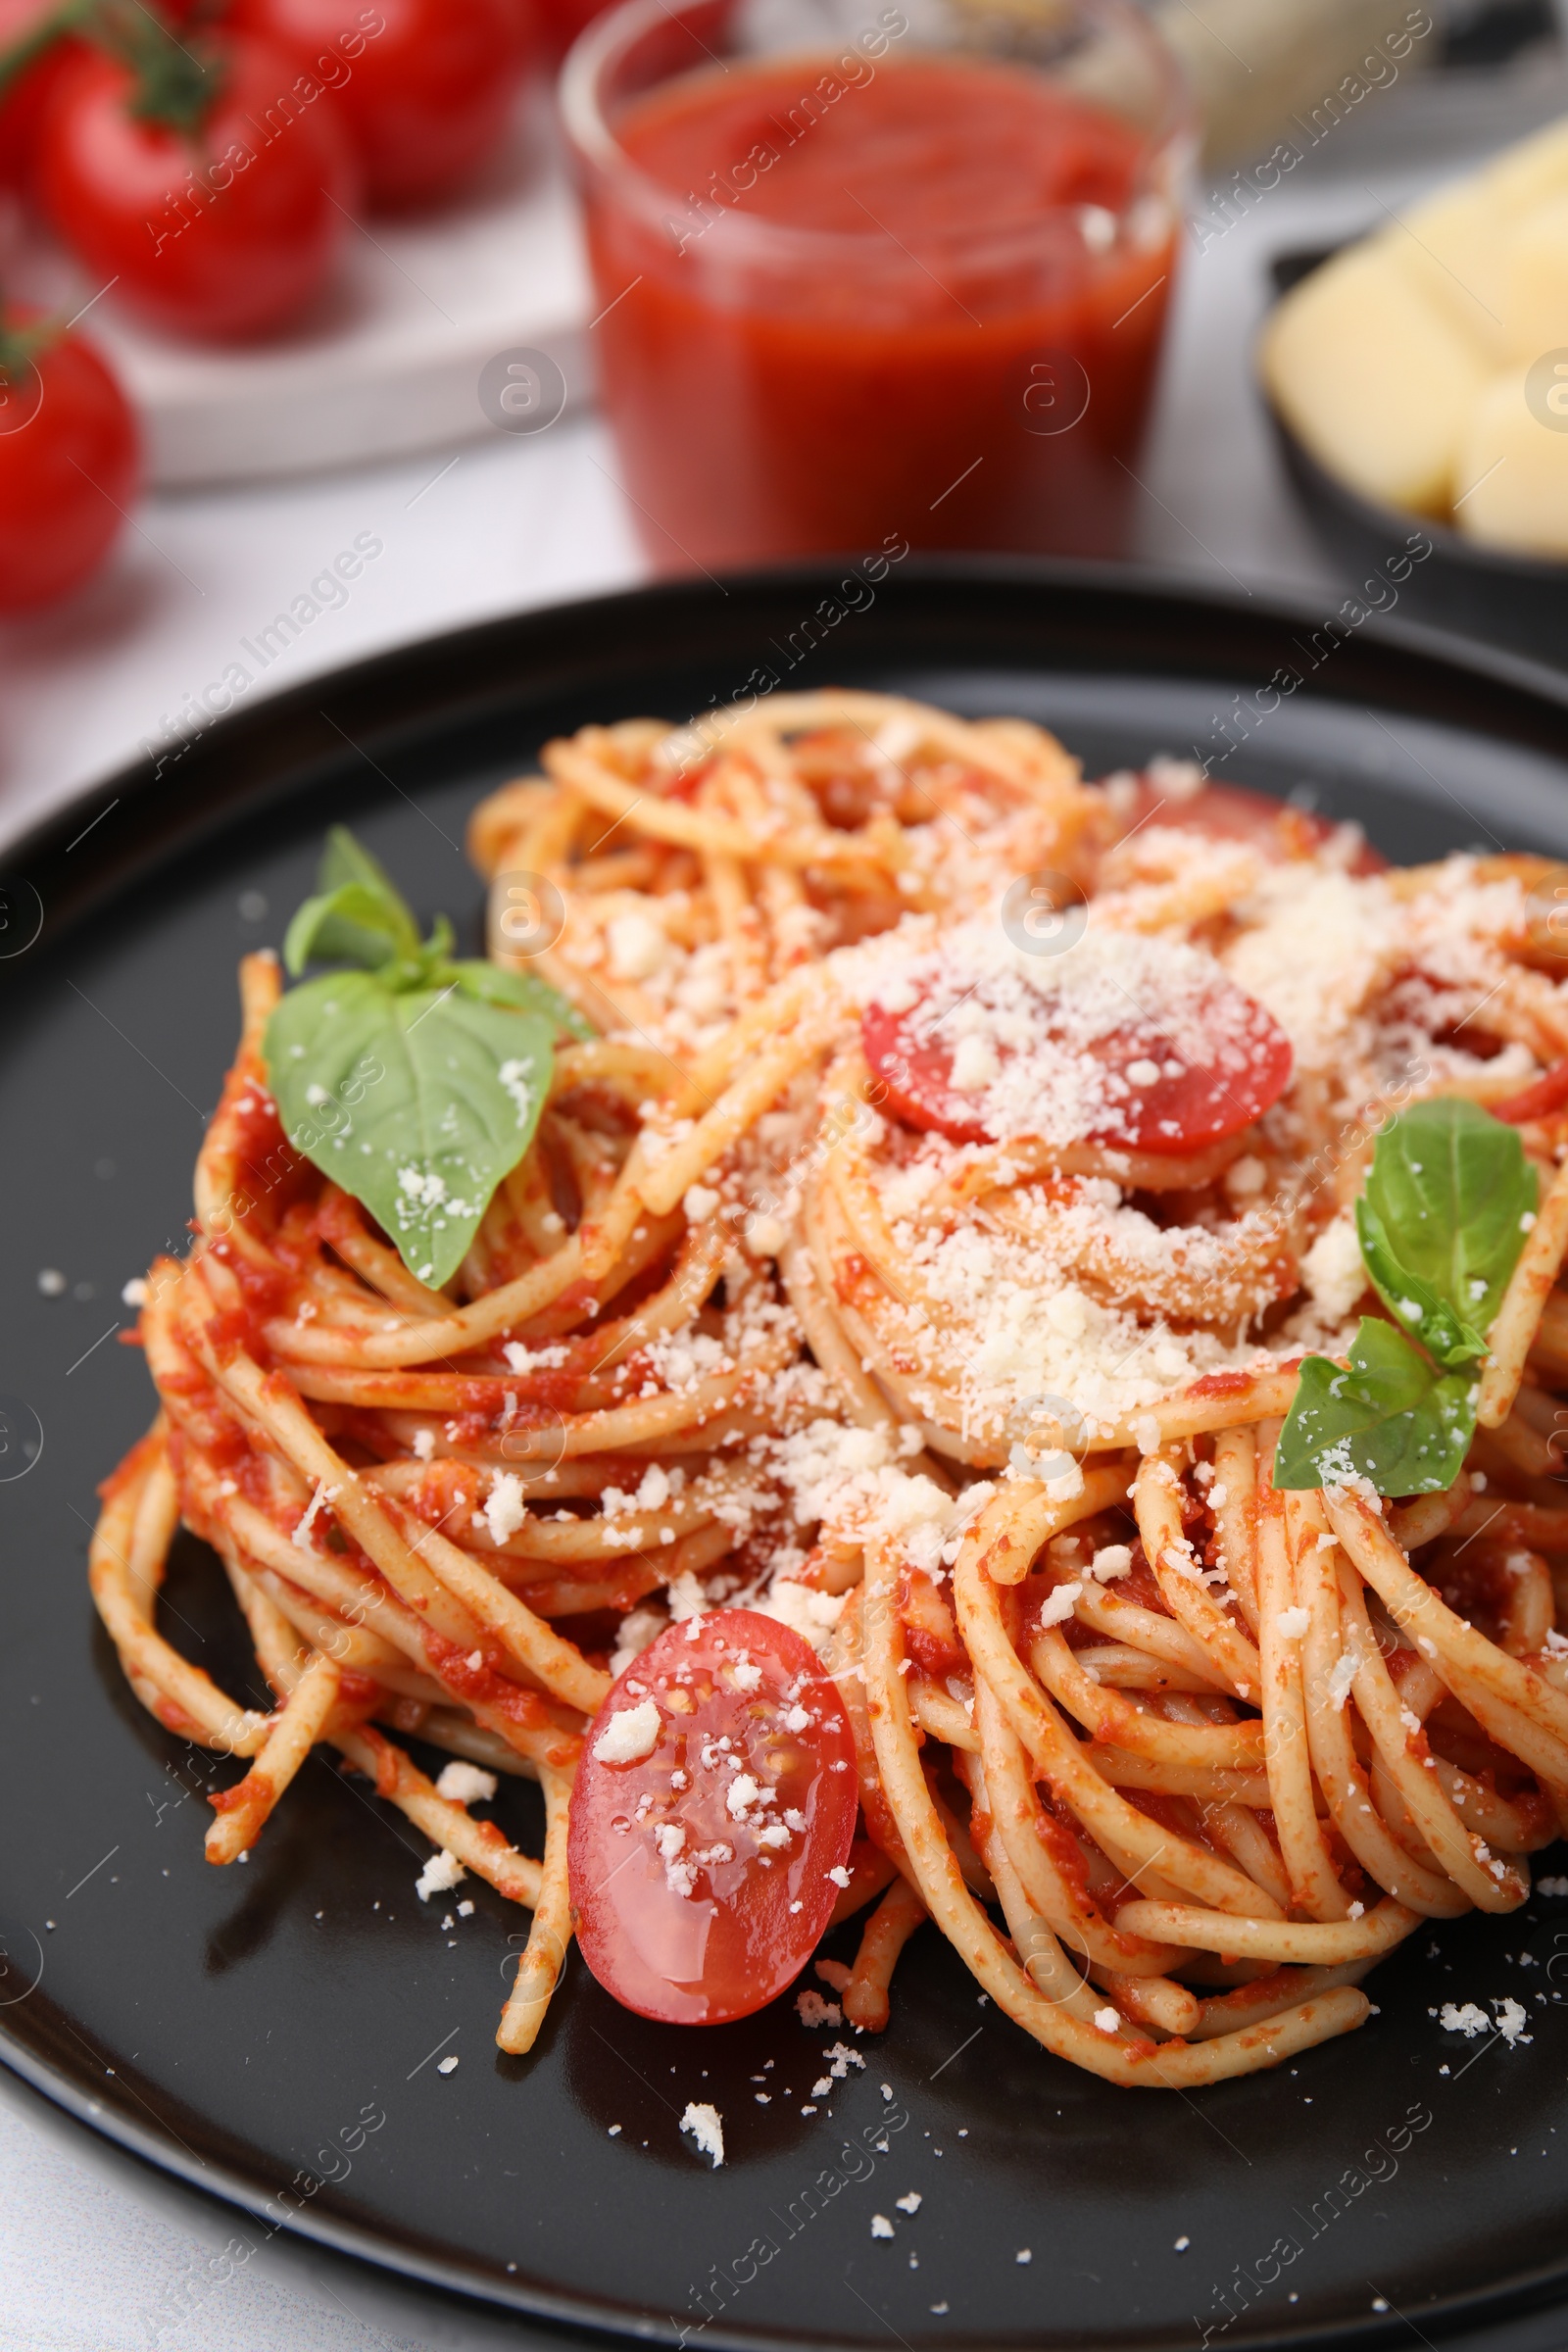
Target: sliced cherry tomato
(1152, 1096)
(70, 460)
(1548, 1094)
(700, 1865)
(425, 98)
(1232, 813)
(217, 232)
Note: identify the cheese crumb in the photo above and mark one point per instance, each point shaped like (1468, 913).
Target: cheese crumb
(1511, 2017)
(466, 1784)
(881, 2226)
(1107, 2020)
(1294, 1624)
(441, 1871)
(504, 1509)
(806, 1612)
(910, 2202)
(1468, 2020)
(447, 2066)
(1333, 1272)
(707, 2128)
(1059, 1603)
(812, 2010)
(638, 946)
(631, 1733)
(975, 1065)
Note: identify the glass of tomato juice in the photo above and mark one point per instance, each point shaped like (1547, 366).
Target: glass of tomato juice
(864, 279)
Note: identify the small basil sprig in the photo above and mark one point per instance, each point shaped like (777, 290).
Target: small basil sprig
(1448, 1201)
(1391, 1418)
(1440, 1223)
(415, 1081)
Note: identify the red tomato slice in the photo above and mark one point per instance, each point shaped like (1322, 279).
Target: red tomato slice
(1231, 812)
(1548, 1094)
(1162, 1102)
(700, 1867)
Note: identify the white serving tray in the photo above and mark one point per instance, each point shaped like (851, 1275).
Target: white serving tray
(390, 361)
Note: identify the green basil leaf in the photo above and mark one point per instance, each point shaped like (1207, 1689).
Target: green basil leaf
(350, 924)
(528, 991)
(1443, 1334)
(417, 1103)
(345, 860)
(1447, 1193)
(1390, 1418)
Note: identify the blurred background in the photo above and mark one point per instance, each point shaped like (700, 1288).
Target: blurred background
(328, 327)
(357, 395)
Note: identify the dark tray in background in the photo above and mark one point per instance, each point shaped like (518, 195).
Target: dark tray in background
(231, 2026)
(1517, 602)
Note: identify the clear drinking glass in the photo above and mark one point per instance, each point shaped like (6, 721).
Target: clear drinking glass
(864, 279)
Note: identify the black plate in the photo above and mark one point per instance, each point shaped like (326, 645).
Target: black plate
(235, 2025)
(1520, 601)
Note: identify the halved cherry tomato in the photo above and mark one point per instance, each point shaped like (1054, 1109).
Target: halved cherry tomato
(1548, 1094)
(1161, 1103)
(1233, 813)
(700, 1868)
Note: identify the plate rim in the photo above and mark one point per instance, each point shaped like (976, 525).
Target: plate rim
(133, 783)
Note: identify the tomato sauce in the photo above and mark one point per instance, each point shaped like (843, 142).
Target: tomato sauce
(863, 307)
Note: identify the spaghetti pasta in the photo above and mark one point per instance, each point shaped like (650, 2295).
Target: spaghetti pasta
(864, 1272)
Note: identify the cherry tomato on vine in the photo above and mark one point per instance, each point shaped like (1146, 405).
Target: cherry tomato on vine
(563, 20)
(715, 1799)
(24, 96)
(215, 193)
(1160, 1104)
(426, 88)
(70, 461)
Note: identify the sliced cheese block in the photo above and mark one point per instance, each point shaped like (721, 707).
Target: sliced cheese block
(1537, 167)
(1450, 246)
(1511, 475)
(1531, 294)
(1492, 250)
(1373, 376)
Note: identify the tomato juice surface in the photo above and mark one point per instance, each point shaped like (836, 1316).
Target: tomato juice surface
(864, 299)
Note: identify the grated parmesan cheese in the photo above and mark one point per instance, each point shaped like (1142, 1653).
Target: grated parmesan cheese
(440, 1874)
(504, 1509)
(707, 2128)
(631, 1735)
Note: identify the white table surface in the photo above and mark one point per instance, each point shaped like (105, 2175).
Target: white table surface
(93, 2245)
